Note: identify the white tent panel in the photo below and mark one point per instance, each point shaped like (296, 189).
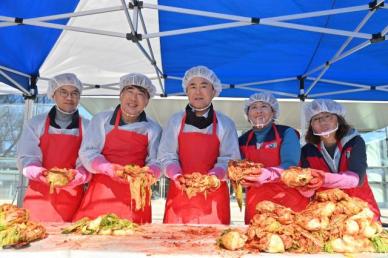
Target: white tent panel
(99, 59)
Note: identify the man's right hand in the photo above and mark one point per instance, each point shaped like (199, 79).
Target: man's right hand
(35, 173)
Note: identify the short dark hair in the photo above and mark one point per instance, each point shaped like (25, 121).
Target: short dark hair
(343, 128)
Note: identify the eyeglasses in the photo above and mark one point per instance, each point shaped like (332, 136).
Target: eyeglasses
(320, 119)
(65, 94)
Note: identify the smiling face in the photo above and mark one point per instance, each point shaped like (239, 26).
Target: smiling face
(260, 113)
(67, 98)
(200, 92)
(133, 100)
(323, 122)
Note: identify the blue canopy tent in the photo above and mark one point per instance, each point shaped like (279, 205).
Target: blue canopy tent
(294, 49)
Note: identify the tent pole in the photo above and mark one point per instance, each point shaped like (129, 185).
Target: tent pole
(62, 16)
(14, 71)
(302, 98)
(247, 19)
(134, 32)
(316, 29)
(21, 188)
(157, 70)
(266, 81)
(15, 83)
(264, 90)
(338, 92)
(302, 123)
(345, 44)
(351, 84)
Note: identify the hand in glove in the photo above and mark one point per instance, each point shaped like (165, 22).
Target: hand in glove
(109, 169)
(155, 170)
(315, 183)
(220, 173)
(82, 176)
(179, 181)
(35, 173)
(173, 170)
(106, 168)
(266, 175)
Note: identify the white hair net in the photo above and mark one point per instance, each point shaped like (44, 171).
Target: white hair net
(323, 105)
(263, 97)
(62, 80)
(137, 79)
(203, 72)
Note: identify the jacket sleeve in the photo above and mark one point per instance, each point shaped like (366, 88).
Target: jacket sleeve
(154, 135)
(28, 150)
(229, 147)
(357, 161)
(303, 159)
(93, 141)
(168, 148)
(290, 149)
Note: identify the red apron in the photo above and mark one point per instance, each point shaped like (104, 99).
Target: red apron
(364, 192)
(58, 150)
(106, 195)
(198, 152)
(276, 192)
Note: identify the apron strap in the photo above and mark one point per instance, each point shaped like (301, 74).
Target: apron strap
(182, 123)
(46, 125)
(80, 127)
(214, 124)
(277, 136)
(118, 117)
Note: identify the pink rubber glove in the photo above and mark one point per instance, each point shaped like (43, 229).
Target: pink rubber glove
(104, 167)
(82, 176)
(220, 173)
(35, 173)
(155, 170)
(173, 170)
(314, 184)
(306, 193)
(345, 180)
(266, 175)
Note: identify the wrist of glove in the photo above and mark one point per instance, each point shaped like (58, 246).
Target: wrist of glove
(35, 173)
(173, 170)
(106, 168)
(155, 170)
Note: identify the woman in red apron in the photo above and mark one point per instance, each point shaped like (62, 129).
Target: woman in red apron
(114, 139)
(53, 140)
(337, 149)
(198, 140)
(276, 147)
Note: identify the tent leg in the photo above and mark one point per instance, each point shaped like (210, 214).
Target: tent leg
(22, 184)
(302, 123)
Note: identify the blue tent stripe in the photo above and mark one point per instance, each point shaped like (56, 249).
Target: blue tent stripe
(260, 53)
(24, 48)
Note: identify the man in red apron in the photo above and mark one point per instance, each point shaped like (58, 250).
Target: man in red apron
(52, 140)
(198, 140)
(337, 149)
(125, 136)
(276, 147)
